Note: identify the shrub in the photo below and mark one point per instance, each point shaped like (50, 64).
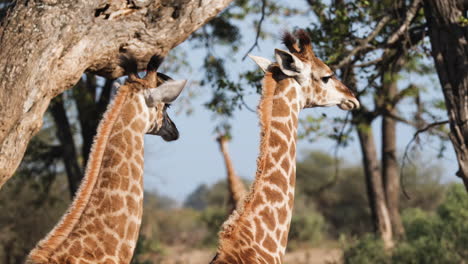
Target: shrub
(306, 227)
(212, 218)
(367, 250)
(431, 237)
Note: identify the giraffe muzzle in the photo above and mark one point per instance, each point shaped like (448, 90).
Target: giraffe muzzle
(349, 104)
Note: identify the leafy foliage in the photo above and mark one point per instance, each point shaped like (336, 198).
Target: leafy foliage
(432, 237)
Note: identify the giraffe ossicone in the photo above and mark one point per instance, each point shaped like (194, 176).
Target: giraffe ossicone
(257, 231)
(103, 221)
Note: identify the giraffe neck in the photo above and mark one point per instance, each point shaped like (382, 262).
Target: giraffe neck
(236, 187)
(258, 232)
(102, 224)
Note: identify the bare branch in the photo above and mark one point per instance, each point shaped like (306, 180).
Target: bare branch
(405, 154)
(259, 30)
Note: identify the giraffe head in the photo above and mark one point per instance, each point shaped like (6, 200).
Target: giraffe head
(156, 91)
(317, 82)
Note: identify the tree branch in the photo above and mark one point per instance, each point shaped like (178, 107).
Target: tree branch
(363, 43)
(410, 14)
(47, 47)
(259, 30)
(405, 153)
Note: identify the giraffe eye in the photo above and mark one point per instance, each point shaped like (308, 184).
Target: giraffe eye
(326, 78)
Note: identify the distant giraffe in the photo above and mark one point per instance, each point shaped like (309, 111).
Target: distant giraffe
(102, 223)
(257, 232)
(236, 187)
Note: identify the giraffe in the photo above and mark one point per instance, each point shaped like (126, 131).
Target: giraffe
(257, 231)
(103, 221)
(236, 187)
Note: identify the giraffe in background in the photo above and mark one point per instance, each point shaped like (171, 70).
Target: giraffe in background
(236, 187)
(257, 232)
(103, 221)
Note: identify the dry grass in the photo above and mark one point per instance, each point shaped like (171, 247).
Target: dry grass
(179, 255)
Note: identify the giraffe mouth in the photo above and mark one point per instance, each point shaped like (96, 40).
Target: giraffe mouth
(349, 104)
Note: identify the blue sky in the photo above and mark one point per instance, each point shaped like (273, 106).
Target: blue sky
(176, 168)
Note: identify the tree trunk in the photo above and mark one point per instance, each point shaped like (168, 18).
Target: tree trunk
(48, 44)
(390, 169)
(375, 190)
(449, 39)
(90, 111)
(65, 136)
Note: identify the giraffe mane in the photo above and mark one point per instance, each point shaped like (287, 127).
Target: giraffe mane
(265, 112)
(61, 231)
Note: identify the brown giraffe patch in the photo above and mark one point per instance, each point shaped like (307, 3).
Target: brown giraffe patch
(125, 253)
(278, 179)
(278, 234)
(272, 195)
(247, 235)
(139, 161)
(116, 202)
(124, 183)
(114, 182)
(267, 217)
(115, 140)
(129, 114)
(110, 244)
(131, 203)
(282, 214)
(267, 258)
(124, 169)
(98, 252)
(291, 201)
(115, 159)
(257, 201)
(105, 206)
(86, 255)
(292, 151)
(259, 233)
(277, 141)
(138, 125)
(75, 249)
(132, 230)
(138, 143)
(128, 137)
(109, 261)
(135, 171)
(285, 164)
(282, 127)
(248, 256)
(117, 223)
(135, 190)
(284, 239)
(280, 108)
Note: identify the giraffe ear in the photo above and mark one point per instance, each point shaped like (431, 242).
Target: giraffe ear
(289, 63)
(166, 92)
(261, 62)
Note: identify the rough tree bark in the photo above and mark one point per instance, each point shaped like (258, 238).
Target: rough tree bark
(46, 45)
(375, 189)
(390, 168)
(362, 120)
(449, 37)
